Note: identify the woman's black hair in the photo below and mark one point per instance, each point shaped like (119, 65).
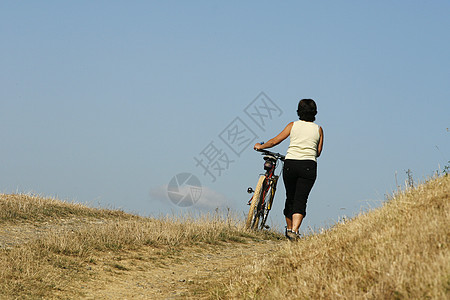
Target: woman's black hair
(307, 110)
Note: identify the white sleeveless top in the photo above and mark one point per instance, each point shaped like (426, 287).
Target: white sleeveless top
(305, 138)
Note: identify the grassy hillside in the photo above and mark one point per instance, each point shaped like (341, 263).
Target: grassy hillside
(61, 241)
(54, 249)
(399, 251)
(18, 208)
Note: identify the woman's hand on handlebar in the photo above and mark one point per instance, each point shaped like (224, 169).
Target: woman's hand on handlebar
(258, 146)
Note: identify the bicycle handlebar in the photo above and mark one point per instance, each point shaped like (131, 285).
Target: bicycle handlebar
(277, 155)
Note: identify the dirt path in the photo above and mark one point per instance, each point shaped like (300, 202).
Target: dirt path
(149, 273)
(187, 274)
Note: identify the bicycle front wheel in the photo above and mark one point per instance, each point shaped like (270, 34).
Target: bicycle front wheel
(268, 198)
(269, 194)
(255, 206)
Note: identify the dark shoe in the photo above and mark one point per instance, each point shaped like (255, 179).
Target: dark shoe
(292, 236)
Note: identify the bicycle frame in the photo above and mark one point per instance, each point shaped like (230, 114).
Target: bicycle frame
(262, 204)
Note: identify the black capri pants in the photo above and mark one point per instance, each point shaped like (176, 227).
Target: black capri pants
(299, 177)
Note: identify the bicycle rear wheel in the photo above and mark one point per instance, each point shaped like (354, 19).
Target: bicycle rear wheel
(254, 212)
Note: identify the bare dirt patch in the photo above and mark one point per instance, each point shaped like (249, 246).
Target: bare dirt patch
(159, 274)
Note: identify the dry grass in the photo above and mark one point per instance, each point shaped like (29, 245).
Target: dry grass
(47, 264)
(399, 251)
(20, 207)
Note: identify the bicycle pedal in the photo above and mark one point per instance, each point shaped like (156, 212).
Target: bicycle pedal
(266, 226)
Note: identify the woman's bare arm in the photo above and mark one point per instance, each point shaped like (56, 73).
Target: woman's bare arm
(276, 140)
(320, 146)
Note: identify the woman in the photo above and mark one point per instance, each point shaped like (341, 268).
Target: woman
(300, 166)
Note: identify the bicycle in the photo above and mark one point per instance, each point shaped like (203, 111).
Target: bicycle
(262, 199)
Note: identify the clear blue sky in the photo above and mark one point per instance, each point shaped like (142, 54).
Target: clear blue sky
(105, 101)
